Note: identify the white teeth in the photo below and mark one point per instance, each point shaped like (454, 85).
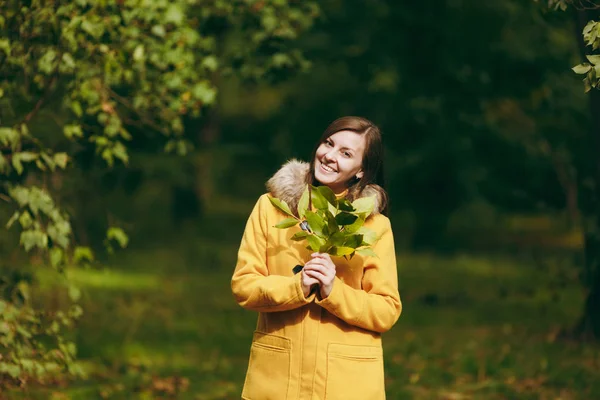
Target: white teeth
(326, 168)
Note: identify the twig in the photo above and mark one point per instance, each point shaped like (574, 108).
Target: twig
(5, 198)
(143, 120)
(41, 101)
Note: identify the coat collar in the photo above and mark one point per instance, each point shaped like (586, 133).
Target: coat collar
(289, 181)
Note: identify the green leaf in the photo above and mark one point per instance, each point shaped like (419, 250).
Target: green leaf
(299, 236)
(355, 226)
(345, 218)
(11, 369)
(61, 159)
(27, 156)
(56, 256)
(341, 251)
(303, 203)
(366, 251)
(33, 238)
(582, 68)
(48, 160)
(119, 235)
(332, 225)
(315, 222)
(25, 220)
(210, 63)
(328, 194)
(138, 53)
(74, 293)
(353, 241)
(71, 131)
(345, 205)
(174, 14)
(594, 59)
(369, 236)
(318, 200)
(12, 219)
(9, 136)
(337, 239)
(17, 165)
(204, 92)
(281, 205)
(286, 223)
(120, 152)
(364, 205)
(82, 253)
(315, 242)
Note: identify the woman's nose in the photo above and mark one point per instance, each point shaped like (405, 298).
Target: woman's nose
(329, 156)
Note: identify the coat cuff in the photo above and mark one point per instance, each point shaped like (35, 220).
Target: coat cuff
(298, 283)
(332, 301)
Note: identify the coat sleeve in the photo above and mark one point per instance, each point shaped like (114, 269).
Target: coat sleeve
(252, 285)
(377, 305)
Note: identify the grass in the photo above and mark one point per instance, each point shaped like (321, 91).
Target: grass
(162, 323)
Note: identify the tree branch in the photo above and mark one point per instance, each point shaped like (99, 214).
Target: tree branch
(41, 101)
(141, 117)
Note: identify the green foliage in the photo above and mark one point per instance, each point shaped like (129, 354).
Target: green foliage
(335, 226)
(106, 71)
(591, 69)
(24, 334)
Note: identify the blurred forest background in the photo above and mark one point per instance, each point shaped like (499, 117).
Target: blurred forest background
(136, 136)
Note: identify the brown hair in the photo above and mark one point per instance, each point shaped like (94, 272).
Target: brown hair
(372, 163)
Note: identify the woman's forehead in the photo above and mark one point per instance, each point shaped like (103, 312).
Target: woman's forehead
(349, 139)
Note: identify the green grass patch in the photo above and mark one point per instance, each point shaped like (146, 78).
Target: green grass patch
(473, 327)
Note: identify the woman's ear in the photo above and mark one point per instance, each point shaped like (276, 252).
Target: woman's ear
(360, 174)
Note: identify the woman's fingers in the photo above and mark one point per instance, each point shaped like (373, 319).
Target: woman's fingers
(316, 275)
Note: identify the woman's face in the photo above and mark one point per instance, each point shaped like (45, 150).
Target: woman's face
(339, 159)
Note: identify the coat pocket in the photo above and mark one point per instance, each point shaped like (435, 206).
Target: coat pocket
(354, 372)
(268, 375)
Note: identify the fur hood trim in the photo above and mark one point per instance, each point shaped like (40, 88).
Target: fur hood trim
(289, 182)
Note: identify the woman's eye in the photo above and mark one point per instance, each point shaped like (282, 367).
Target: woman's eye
(346, 154)
(328, 143)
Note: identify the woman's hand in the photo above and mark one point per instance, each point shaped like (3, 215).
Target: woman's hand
(307, 282)
(321, 268)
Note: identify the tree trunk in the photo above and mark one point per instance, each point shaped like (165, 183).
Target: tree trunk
(589, 324)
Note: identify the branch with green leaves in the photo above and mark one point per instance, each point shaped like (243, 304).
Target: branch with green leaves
(591, 69)
(334, 227)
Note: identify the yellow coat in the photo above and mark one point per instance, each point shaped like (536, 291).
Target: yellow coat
(307, 347)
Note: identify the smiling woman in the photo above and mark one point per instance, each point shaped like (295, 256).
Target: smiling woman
(324, 343)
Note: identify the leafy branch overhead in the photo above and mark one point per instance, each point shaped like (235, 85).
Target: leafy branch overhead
(334, 227)
(86, 75)
(591, 69)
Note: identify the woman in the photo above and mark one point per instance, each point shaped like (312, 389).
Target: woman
(323, 344)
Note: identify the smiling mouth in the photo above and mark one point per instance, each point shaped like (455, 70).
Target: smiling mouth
(327, 168)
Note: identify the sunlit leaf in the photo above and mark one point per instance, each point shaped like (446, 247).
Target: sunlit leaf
(119, 235)
(369, 237)
(364, 205)
(318, 200)
(299, 236)
(341, 251)
(315, 242)
(61, 159)
(316, 222)
(582, 68)
(281, 205)
(303, 203)
(56, 256)
(366, 251)
(328, 194)
(286, 223)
